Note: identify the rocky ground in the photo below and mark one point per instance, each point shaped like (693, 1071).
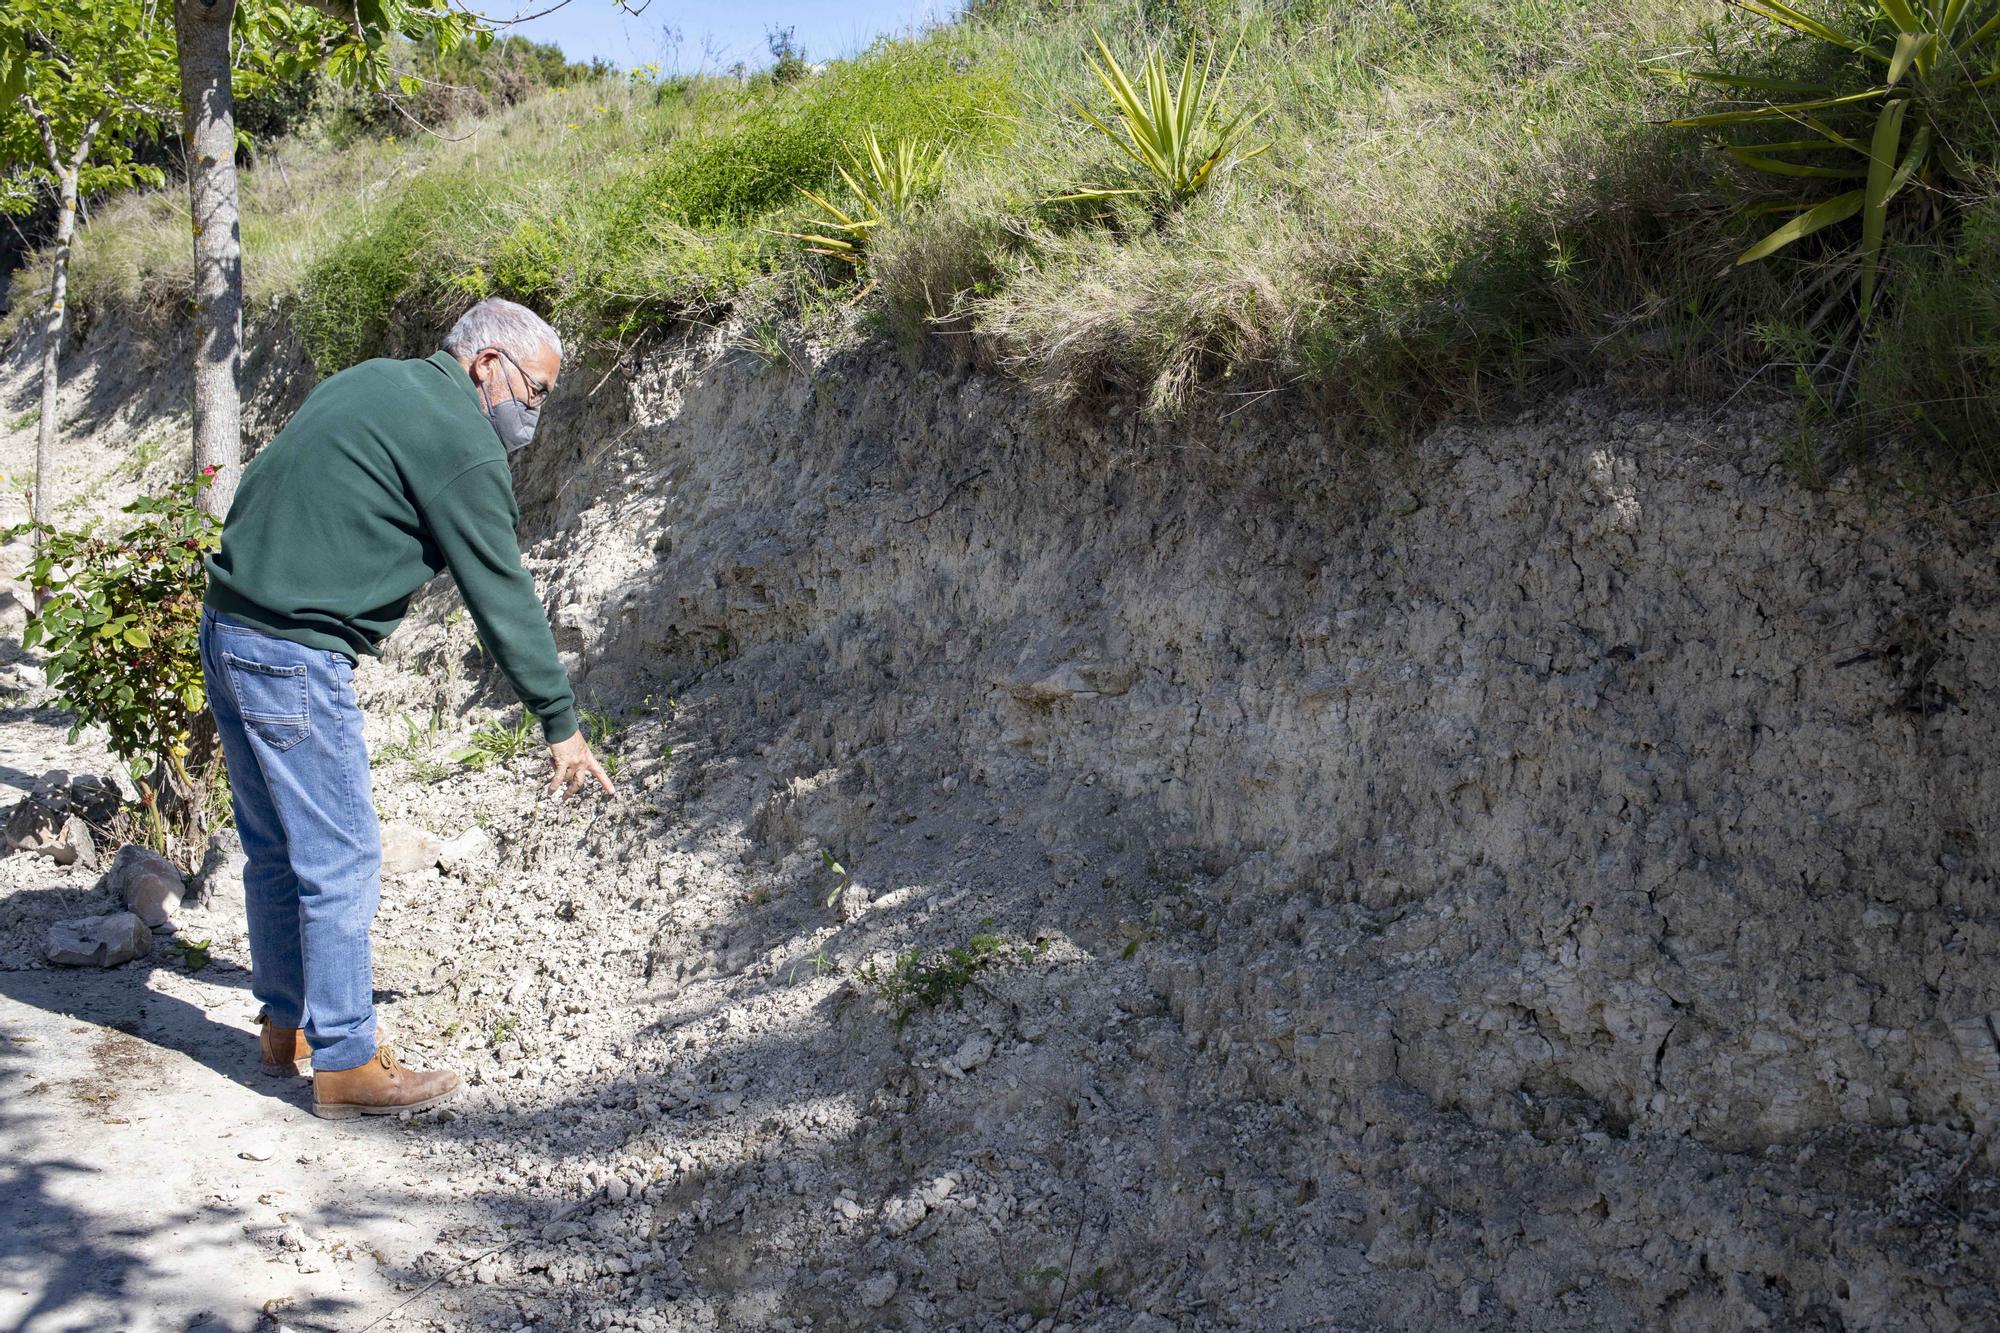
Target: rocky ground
(689, 1107)
(1069, 878)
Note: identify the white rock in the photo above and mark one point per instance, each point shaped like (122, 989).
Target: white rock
(904, 1215)
(468, 850)
(408, 850)
(99, 941)
(973, 1052)
(220, 879)
(148, 884)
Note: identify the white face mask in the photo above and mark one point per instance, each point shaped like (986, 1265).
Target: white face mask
(512, 420)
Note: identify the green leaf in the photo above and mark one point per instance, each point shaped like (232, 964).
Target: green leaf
(1910, 50)
(1778, 111)
(1754, 83)
(1902, 16)
(1837, 209)
(138, 637)
(1799, 21)
(1750, 157)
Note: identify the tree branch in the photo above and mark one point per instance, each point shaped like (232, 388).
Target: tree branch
(82, 153)
(48, 130)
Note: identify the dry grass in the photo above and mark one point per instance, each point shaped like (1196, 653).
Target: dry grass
(1464, 203)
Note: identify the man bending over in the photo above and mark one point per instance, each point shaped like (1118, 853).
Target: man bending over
(390, 473)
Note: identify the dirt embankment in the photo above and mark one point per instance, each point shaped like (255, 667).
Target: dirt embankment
(1546, 880)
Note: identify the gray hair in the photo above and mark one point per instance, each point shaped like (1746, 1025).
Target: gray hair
(514, 329)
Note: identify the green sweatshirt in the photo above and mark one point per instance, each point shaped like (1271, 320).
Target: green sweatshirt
(388, 475)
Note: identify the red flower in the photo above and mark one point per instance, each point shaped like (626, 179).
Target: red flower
(210, 470)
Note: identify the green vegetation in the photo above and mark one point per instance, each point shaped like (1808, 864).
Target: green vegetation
(602, 732)
(417, 748)
(1171, 130)
(193, 954)
(1906, 114)
(120, 626)
(1449, 207)
(884, 186)
(915, 982)
(841, 877)
(500, 741)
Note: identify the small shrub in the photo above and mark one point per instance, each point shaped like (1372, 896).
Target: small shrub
(193, 954)
(883, 187)
(121, 625)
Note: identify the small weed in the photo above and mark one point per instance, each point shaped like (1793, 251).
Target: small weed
(914, 982)
(823, 966)
(600, 731)
(502, 1030)
(841, 878)
(193, 954)
(144, 454)
(598, 728)
(764, 341)
(418, 740)
(498, 741)
(430, 772)
(25, 420)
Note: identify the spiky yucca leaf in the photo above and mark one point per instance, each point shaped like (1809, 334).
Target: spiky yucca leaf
(1928, 67)
(1170, 129)
(884, 185)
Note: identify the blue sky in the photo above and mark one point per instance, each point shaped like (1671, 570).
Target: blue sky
(713, 33)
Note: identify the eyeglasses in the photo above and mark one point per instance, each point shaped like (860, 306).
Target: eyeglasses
(537, 392)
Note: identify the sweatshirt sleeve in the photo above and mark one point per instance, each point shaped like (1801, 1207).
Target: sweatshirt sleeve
(472, 518)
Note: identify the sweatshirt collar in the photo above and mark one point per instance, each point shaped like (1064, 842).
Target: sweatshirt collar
(458, 374)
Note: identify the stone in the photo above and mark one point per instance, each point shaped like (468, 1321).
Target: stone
(80, 844)
(904, 1214)
(220, 878)
(973, 1052)
(466, 851)
(94, 800)
(408, 850)
(877, 1291)
(146, 884)
(99, 941)
(51, 817)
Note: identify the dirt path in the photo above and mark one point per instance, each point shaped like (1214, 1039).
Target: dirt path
(154, 1179)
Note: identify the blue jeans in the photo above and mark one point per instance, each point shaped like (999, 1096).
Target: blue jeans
(298, 777)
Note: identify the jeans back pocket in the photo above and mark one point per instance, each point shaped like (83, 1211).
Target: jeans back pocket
(272, 699)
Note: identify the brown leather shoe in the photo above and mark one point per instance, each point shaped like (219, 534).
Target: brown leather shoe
(281, 1052)
(380, 1087)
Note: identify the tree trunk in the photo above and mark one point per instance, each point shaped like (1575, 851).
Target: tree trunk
(45, 443)
(201, 32)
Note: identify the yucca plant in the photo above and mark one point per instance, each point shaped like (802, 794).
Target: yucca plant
(1172, 130)
(1918, 71)
(884, 185)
